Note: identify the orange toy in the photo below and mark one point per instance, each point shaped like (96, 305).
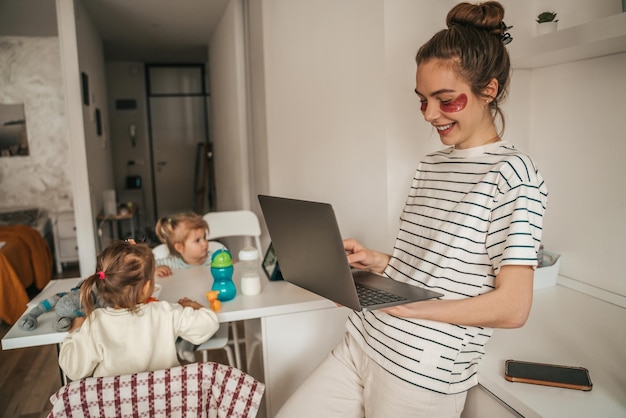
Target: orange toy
(215, 304)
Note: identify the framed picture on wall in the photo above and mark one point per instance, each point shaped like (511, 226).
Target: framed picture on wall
(13, 136)
(84, 81)
(98, 122)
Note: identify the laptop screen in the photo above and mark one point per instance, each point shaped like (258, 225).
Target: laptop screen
(270, 264)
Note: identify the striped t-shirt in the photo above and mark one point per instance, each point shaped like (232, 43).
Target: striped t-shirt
(468, 212)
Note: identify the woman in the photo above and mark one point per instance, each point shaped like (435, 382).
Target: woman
(470, 229)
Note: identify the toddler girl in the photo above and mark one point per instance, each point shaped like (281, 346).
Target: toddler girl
(185, 235)
(129, 335)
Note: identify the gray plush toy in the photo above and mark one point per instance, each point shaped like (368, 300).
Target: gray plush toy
(65, 304)
(67, 307)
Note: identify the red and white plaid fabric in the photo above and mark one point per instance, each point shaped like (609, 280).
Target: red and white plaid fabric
(207, 390)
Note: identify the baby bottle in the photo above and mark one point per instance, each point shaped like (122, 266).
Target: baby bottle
(249, 263)
(222, 271)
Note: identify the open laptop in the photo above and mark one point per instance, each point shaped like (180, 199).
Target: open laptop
(309, 246)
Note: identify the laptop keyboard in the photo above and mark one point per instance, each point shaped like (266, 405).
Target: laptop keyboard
(369, 297)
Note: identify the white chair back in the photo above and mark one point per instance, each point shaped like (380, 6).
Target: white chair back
(161, 251)
(236, 223)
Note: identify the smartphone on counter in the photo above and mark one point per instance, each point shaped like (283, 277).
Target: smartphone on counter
(569, 377)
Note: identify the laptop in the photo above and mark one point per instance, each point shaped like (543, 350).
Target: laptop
(307, 242)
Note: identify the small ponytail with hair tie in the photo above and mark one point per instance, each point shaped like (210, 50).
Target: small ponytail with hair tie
(101, 275)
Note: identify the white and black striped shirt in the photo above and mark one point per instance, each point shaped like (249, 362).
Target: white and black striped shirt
(468, 213)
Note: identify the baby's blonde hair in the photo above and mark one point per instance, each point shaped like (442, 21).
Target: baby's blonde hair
(175, 229)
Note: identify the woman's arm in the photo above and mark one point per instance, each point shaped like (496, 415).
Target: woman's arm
(507, 306)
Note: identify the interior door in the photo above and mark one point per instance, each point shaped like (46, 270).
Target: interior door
(178, 124)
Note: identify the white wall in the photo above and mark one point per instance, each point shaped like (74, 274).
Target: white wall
(229, 114)
(408, 136)
(126, 80)
(325, 108)
(568, 113)
(30, 74)
(90, 161)
(578, 144)
(97, 147)
(257, 112)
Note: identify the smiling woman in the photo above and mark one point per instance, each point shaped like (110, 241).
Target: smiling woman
(470, 229)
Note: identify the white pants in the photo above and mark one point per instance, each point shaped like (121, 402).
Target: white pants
(348, 384)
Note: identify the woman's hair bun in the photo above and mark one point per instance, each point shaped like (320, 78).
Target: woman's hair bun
(486, 16)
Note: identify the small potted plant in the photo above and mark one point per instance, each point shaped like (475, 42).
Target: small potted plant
(546, 22)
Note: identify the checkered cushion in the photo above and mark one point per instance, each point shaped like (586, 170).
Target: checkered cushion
(194, 390)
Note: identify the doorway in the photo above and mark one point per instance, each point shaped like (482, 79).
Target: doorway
(181, 161)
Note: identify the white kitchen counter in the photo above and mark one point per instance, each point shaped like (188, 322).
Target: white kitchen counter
(569, 328)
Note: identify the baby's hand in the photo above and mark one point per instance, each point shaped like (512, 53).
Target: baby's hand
(186, 302)
(76, 323)
(163, 271)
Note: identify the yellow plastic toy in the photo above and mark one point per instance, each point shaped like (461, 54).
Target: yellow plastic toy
(214, 303)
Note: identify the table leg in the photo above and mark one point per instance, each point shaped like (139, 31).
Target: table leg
(233, 327)
(63, 376)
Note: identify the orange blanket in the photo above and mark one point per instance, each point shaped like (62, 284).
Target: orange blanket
(25, 259)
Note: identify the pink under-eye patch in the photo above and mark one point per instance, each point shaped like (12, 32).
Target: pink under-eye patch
(455, 105)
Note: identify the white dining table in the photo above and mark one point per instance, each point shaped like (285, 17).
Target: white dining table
(288, 330)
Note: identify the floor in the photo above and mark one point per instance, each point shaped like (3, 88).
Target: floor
(28, 376)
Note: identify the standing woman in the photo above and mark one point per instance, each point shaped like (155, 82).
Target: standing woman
(470, 229)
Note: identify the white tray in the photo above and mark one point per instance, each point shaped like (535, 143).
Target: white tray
(546, 275)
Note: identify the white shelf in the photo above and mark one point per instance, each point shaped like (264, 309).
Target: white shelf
(602, 37)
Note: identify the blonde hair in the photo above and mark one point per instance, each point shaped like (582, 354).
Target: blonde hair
(122, 270)
(175, 229)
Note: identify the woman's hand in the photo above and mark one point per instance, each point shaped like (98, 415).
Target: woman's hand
(363, 258)
(163, 271)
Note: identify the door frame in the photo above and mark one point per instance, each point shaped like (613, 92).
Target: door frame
(149, 95)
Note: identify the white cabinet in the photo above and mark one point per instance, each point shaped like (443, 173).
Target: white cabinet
(65, 244)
